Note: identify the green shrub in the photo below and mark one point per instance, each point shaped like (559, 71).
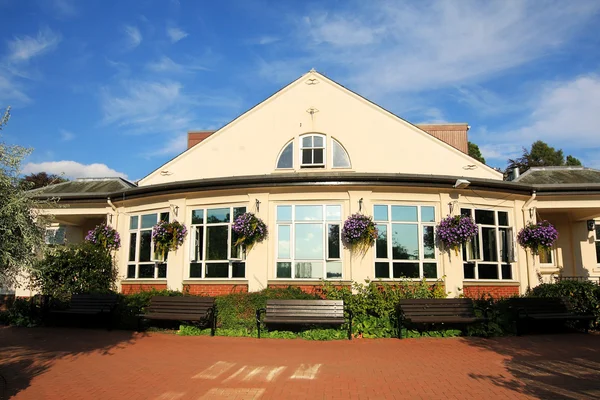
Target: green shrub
(25, 312)
(131, 305)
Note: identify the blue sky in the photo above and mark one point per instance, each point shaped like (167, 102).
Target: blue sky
(105, 88)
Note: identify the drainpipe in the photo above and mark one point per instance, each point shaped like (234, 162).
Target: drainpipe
(524, 209)
(110, 203)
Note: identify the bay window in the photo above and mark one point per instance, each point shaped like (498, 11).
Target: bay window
(308, 242)
(405, 246)
(213, 250)
(141, 261)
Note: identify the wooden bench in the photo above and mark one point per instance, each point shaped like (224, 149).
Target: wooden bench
(437, 311)
(528, 310)
(304, 312)
(102, 305)
(182, 308)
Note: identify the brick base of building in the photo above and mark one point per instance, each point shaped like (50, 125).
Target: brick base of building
(214, 290)
(141, 287)
(310, 289)
(496, 292)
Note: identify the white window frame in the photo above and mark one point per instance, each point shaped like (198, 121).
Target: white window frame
(138, 238)
(292, 224)
(324, 148)
(231, 259)
(552, 262)
(281, 152)
(420, 229)
(476, 260)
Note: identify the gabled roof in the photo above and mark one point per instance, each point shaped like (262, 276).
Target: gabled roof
(559, 175)
(84, 186)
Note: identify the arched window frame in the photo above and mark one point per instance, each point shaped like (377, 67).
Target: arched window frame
(285, 146)
(301, 149)
(345, 151)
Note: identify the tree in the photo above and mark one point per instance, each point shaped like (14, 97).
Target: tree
(475, 152)
(40, 179)
(541, 155)
(21, 226)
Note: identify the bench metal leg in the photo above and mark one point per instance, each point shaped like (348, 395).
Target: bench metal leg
(213, 325)
(258, 323)
(350, 325)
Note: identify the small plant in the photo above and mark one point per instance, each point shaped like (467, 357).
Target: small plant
(537, 237)
(105, 236)
(454, 231)
(359, 233)
(250, 230)
(167, 236)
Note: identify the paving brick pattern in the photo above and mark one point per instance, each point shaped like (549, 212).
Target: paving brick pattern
(70, 363)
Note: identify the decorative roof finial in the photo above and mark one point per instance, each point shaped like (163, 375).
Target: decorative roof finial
(312, 70)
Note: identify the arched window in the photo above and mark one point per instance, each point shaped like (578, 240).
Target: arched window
(339, 155)
(312, 151)
(286, 157)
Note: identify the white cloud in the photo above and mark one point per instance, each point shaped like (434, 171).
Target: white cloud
(176, 34)
(72, 169)
(175, 145)
(23, 48)
(165, 64)
(11, 90)
(64, 8)
(342, 31)
(133, 36)
(264, 40)
(66, 135)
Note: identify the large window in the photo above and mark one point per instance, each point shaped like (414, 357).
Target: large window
(142, 263)
(490, 254)
(213, 250)
(308, 242)
(312, 151)
(55, 235)
(405, 247)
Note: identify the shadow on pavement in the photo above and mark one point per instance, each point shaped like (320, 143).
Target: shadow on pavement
(28, 352)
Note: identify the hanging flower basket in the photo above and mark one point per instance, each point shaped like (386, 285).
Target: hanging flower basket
(167, 236)
(250, 230)
(105, 236)
(359, 233)
(537, 237)
(454, 231)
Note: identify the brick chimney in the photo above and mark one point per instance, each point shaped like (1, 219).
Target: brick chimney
(453, 134)
(195, 137)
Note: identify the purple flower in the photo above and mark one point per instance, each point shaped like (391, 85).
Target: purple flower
(454, 231)
(537, 237)
(105, 236)
(249, 230)
(359, 232)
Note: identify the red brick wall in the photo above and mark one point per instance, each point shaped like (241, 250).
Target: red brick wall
(141, 287)
(214, 290)
(494, 291)
(311, 289)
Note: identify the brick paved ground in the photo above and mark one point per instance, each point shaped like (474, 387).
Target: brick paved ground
(63, 363)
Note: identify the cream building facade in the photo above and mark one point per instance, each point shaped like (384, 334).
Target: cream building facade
(303, 161)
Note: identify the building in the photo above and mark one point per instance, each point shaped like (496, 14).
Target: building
(304, 160)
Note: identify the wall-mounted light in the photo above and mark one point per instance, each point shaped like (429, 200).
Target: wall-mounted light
(175, 209)
(532, 212)
(257, 203)
(461, 183)
(591, 224)
(109, 218)
(360, 204)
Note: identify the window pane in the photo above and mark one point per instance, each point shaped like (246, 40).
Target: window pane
(545, 256)
(133, 222)
(284, 213)
(307, 156)
(469, 270)
(132, 244)
(506, 271)
(309, 270)
(334, 270)
(318, 156)
(489, 249)
(317, 141)
(220, 270)
(428, 214)
(406, 270)
(340, 157)
(216, 215)
(404, 213)
(485, 217)
(237, 252)
(198, 217)
(198, 243)
(196, 270)
(146, 271)
(504, 244)
(430, 270)
(405, 242)
(286, 159)
(148, 221)
(381, 246)
(428, 242)
(334, 241)
(307, 141)
(238, 270)
(502, 218)
(284, 233)
(487, 271)
(237, 211)
(309, 242)
(284, 270)
(216, 242)
(164, 216)
(131, 271)
(162, 270)
(309, 213)
(382, 270)
(380, 213)
(598, 252)
(333, 213)
(145, 245)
